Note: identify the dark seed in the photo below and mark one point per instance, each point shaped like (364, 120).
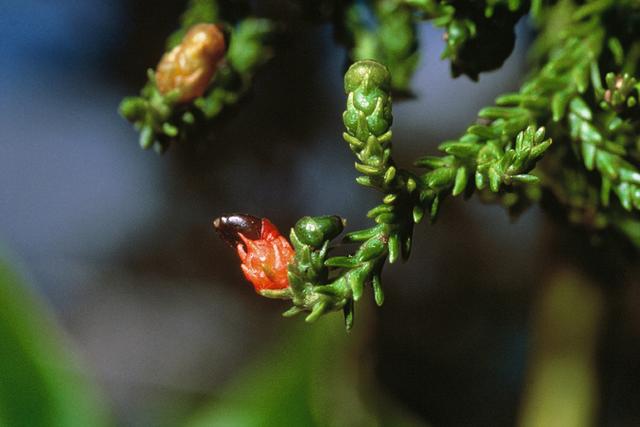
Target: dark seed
(228, 227)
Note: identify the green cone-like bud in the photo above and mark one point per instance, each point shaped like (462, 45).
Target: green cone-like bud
(314, 231)
(366, 74)
(368, 110)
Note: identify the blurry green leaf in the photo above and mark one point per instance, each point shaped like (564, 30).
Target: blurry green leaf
(308, 379)
(41, 385)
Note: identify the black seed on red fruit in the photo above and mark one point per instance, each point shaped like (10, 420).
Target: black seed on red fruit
(228, 227)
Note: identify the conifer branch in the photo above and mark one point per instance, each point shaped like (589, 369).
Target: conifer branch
(555, 94)
(367, 119)
(594, 126)
(162, 118)
(473, 28)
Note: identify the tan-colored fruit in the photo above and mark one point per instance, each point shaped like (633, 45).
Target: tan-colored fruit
(189, 66)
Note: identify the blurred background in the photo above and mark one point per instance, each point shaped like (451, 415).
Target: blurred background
(115, 250)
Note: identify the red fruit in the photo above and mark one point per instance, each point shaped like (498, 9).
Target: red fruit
(265, 258)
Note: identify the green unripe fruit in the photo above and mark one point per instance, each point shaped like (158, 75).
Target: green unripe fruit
(314, 231)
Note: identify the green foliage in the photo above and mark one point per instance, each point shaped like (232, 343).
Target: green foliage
(367, 120)
(564, 95)
(307, 273)
(619, 95)
(247, 52)
(496, 162)
(161, 120)
(492, 158)
(41, 384)
(197, 12)
(599, 125)
(473, 28)
(590, 174)
(393, 40)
